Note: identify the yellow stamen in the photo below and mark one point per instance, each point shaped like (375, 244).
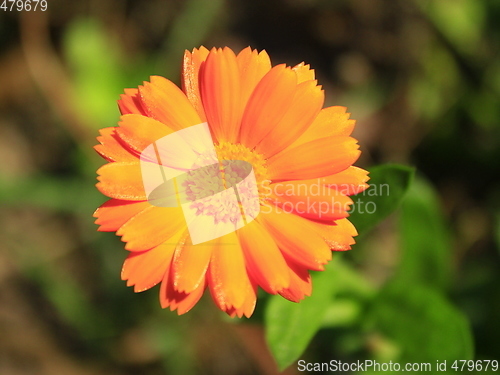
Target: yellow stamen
(230, 151)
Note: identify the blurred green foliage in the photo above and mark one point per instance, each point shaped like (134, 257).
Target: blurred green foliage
(95, 80)
(426, 254)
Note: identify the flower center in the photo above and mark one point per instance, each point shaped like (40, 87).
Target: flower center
(229, 151)
(225, 188)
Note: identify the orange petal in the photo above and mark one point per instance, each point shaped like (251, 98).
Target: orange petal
(306, 104)
(252, 66)
(114, 213)
(110, 147)
(190, 265)
(138, 131)
(175, 300)
(330, 121)
(265, 263)
(300, 283)
(145, 269)
(190, 77)
(167, 103)
(151, 227)
(131, 102)
(296, 237)
(310, 199)
(248, 306)
(318, 158)
(121, 180)
(228, 278)
(304, 72)
(339, 235)
(221, 94)
(348, 182)
(187, 303)
(268, 104)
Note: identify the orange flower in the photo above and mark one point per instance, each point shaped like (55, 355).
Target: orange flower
(301, 156)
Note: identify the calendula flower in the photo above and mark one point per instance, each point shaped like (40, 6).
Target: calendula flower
(275, 178)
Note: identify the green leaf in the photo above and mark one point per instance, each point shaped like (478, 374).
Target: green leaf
(423, 323)
(425, 242)
(291, 326)
(388, 186)
(343, 312)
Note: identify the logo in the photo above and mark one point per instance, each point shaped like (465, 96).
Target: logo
(217, 196)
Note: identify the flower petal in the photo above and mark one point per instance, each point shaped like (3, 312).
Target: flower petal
(138, 132)
(121, 180)
(110, 147)
(265, 263)
(180, 301)
(252, 66)
(145, 269)
(268, 104)
(318, 158)
(114, 213)
(339, 235)
(190, 78)
(221, 94)
(348, 182)
(248, 306)
(190, 265)
(310, 199)
(228, 278)
(296, 237)
(300, 283)
(166, 102)
(304, 72)
(330, 121)
(151, 227)
(131, 102)
(306, 105)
